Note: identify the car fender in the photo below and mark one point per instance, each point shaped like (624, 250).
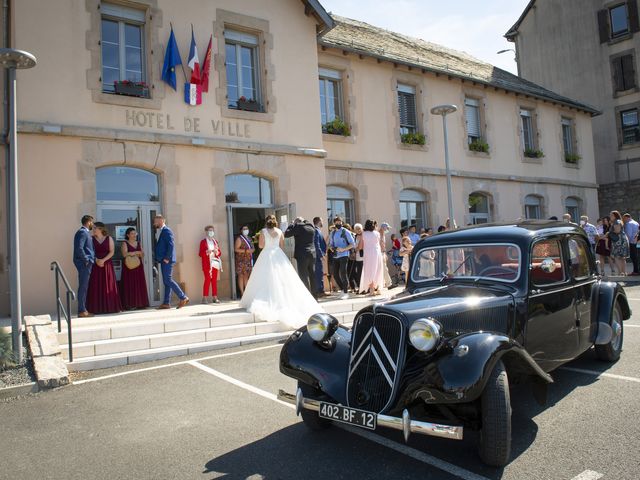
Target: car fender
(324, 367)
(604, 297)
(459, 373)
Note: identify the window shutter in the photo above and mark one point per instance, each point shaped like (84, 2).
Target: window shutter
(407, 108)
(618, 74)
(603, 25)
(628, 72)
(632, 9)
(472, 118)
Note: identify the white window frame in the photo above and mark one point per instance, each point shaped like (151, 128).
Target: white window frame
(527, 137)
(405, 89)
(326, 75)
(413, 197)
(567, 136)
(480, 217)
(337, 193)
(572, 207)
(535, 202)
(248, 40)
(472, 107)
(123, 16)
(635, 126)
(621, 32)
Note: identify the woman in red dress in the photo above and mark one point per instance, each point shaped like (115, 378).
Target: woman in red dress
(133, 284)
(102, 296)
(211, 263)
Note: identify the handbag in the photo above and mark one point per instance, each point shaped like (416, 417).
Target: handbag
(132, 262)
(216, 263)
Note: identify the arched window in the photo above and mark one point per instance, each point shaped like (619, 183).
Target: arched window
(246, 188)
(126, 184)
(340, 203)
(532, 207)
(572, 207)
(413, 208)
(479, 208)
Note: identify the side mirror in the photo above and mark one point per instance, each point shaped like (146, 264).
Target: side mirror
(548, 265)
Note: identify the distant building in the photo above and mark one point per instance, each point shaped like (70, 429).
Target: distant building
(306, 114)
(588, 50)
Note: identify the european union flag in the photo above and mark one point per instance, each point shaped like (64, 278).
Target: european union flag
(171, 59)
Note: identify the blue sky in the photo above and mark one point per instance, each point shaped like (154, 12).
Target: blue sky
(473, 26)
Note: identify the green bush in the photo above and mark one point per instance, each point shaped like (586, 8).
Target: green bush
(479, 145)
(6, 353)
(572, 157)
(533, 153)
(413, 138)
(337, 127)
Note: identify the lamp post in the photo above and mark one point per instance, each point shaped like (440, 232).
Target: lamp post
(445, 110)
(12, 60)
(515, 56)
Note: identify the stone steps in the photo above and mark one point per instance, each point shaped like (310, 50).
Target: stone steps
(140, 336)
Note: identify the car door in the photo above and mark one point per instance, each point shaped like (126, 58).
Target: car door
(582, 271)
(551, 335)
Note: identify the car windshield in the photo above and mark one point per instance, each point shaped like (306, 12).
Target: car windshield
(499, 262)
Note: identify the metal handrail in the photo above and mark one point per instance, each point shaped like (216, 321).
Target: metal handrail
(71, 295)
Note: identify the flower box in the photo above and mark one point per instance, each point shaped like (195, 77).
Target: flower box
(533, 153)
(131, 89)
(413, 138)
(572, 158)
(337, 127)
(248, 105)
(479, 145)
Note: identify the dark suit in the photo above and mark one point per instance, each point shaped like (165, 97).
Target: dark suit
(165, 250)
(321, 250)
(83, 258)
(304, 253)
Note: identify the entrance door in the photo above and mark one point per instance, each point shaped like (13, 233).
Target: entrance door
(117, 218)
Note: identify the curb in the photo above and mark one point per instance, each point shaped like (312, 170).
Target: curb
(19, 390)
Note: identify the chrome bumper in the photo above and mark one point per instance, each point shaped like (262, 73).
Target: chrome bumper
(404, 424)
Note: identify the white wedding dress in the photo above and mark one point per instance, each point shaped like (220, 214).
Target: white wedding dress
(274, 291)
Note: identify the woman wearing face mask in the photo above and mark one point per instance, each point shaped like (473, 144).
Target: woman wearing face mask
(243, 249)
(211, 263)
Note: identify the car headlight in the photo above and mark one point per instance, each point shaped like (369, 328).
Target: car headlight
(424, 334)
(321, 326)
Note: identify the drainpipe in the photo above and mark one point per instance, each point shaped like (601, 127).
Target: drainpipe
(5, 112)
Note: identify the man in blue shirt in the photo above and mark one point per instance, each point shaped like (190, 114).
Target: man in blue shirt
(413, 235)
(341, 241)
(321, 250)
(631, 229)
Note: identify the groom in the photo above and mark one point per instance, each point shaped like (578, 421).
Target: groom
(305, 252)
(165, 254)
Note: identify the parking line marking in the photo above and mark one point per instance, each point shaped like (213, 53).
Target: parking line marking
(408, 451)
(166, 365)
(601, 374)
(588, 475)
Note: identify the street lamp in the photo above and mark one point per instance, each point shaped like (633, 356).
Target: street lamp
(12, 60)
(445, 110)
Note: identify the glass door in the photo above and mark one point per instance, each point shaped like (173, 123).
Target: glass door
(117, 219)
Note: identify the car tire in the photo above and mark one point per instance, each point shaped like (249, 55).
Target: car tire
(495, 435)
(611, 351)
(310, 418)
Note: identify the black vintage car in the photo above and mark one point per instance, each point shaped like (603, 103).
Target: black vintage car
(485, 307)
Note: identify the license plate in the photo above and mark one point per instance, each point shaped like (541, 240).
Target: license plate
(352, 416)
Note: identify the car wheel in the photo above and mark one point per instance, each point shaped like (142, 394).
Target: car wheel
(611, 351)
(310, 418)
(495, 434)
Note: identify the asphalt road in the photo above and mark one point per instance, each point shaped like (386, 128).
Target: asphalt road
(215, 416)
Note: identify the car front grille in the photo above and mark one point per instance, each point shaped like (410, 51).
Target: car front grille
(375, 363)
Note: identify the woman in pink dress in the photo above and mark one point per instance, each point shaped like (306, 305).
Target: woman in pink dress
(133, 284)
(372, 278)
(102, 296)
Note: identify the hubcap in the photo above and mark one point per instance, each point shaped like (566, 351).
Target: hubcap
(616, 326)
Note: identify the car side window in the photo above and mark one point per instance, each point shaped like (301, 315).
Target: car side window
(547, 267)
(578, 258)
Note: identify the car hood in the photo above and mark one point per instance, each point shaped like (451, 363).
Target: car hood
(459, 308)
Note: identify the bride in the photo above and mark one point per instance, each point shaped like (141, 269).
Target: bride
(274, 291)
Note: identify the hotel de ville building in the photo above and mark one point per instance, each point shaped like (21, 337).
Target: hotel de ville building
(306, 114)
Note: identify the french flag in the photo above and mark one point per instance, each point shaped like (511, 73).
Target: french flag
(193, 90)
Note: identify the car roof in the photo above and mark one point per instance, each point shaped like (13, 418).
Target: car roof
(520, 232)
